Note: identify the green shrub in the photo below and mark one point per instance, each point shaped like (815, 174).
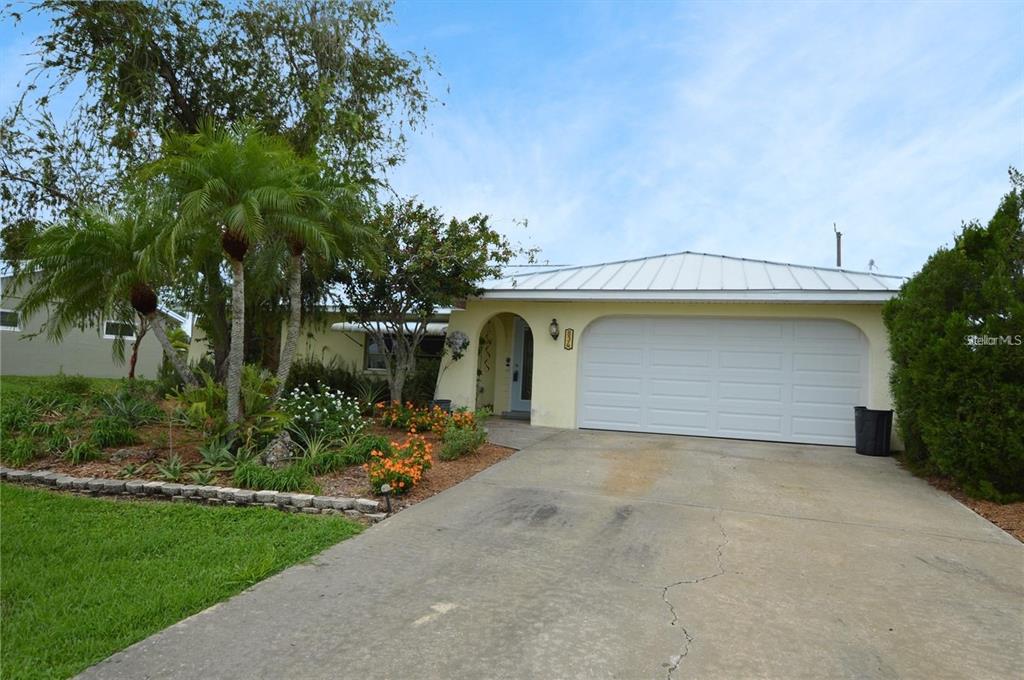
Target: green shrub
(960, 404)
(313, 372)
(323, 411)
(17, 415)
(130, 407)
(202, 477)
(77, 385)
(172, 469)
(420, 385)
(112, 431)
(252, 475)
(17, 451)
(82, 452)
(459, 441)
(361, 450)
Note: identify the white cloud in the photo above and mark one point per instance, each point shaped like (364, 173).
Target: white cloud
(748, 134)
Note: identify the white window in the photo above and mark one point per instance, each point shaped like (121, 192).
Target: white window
(118, 329)
(374, 356)
(9, 320)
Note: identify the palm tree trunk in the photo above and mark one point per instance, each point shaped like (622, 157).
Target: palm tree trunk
(294, 322)
(236, 353)
(140, 332)
(182, 369)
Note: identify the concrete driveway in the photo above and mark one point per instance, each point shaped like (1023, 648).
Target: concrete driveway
(603, 555)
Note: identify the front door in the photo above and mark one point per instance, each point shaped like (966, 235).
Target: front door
(522, 367)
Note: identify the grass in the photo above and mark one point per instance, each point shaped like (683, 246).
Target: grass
(83, 578)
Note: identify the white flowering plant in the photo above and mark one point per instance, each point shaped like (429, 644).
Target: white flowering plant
(323, 411)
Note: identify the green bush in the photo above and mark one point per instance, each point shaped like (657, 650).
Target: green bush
(333, 374)
(77, 385)
(459, 441)
(82, 452)
(419, 387)
(172, 469)
(960, 401)
(130, 406)
(17, 451)
(252, 475)
(360, 451)
(110, 431)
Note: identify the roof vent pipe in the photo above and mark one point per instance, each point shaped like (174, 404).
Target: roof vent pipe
(839, 245)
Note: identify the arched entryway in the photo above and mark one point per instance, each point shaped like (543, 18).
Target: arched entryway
(505, 366)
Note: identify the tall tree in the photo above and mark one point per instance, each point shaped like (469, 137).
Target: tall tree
(242, 189)
(94, 267)
(318, 72)
(425, 263)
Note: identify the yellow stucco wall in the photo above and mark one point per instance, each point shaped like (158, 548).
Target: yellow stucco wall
(317, 341)
(555, 368)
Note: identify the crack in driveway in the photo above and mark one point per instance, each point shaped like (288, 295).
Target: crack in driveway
(677, 660)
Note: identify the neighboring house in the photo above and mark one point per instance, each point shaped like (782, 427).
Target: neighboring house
(686, 343)
(343, 342)
(25, 350)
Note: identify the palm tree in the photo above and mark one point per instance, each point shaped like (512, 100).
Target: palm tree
(245, 187)
(328, 228)
(98, 266)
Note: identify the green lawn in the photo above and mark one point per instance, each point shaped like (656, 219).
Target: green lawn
(81, 578)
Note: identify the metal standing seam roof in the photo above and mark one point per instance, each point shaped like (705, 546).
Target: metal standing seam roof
(697, 276)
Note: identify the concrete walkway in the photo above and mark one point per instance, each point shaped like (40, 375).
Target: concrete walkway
(602, 555)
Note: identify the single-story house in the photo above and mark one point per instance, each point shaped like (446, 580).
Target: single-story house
(684, 343)
(335, 338)
(24, 350)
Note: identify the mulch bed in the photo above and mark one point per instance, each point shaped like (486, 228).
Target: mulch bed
(351, 482)
(1008, 517)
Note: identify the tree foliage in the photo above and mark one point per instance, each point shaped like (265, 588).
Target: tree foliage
(425, 263)
(316, 72)
(956, 330)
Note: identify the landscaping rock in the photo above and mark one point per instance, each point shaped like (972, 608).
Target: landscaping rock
(179, 499)
(279, 451)
(365, 505)
(283, 499)
(3, 472)
(289, 508)
(323, 502)
(171, 489)
(19, 475)
(271, 505)
(354, 513)
(311, 511)
(214, 501)
(209, 491)
(266, 496)
(227, 493)
(376, 516)
(120, 455)
(64, 482)
(135, 487)
(112, 486)
(80, 483)
(153, 487)
(244, 496)
(302, 500)
(343, 503)
(329, 511)
(46, 477)
(95, 484)
(189, 490)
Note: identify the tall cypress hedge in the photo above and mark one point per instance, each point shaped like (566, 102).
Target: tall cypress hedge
(956, 335)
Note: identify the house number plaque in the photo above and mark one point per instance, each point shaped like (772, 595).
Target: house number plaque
(568, 338)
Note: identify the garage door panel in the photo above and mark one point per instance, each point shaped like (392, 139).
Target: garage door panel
(679, 419)
(769, 391)
(750, 360)
(777, 379)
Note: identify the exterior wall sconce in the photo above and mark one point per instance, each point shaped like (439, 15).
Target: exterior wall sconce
(553, 329)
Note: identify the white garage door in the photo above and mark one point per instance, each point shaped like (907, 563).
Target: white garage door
(772, 379)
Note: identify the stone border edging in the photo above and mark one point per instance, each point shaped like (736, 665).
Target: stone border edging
(209, 495)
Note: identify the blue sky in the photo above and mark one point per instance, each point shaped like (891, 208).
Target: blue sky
(624, 129)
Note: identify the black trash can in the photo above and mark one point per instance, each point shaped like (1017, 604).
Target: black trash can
(873, 430)
(445, 404)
